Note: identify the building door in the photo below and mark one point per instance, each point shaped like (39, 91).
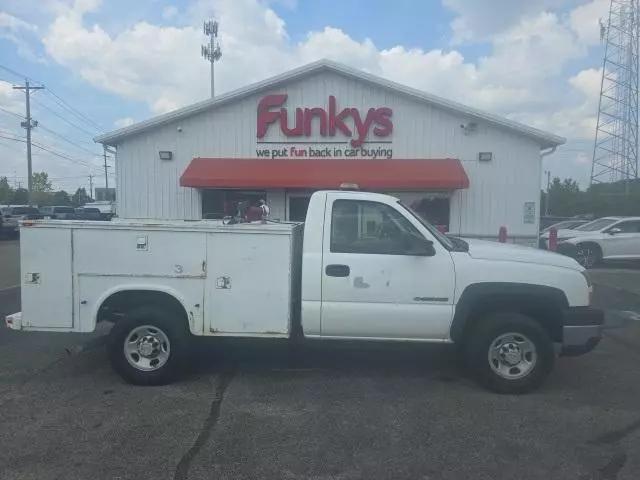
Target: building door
(298, 205)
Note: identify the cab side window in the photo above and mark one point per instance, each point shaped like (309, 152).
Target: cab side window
(370, 228)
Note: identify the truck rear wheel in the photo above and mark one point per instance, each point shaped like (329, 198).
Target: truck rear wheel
(509, 353)
(149, 346)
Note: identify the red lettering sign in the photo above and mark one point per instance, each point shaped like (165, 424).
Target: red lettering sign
(271, 110)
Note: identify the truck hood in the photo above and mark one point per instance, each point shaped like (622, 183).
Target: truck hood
(487, 250)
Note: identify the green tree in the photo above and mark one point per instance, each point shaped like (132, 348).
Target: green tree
(61, 198)
(20, 196)
(6, 192)
(40, 182)
(80, 197)
(565, 198)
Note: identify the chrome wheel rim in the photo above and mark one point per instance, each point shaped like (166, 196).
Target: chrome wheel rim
(586, 257)
(147, 348)
(512, 356)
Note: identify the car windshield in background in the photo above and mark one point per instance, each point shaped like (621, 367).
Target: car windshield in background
(24, 211)
(596, 225)
(442, 238)
(90, 210)
(65, 210)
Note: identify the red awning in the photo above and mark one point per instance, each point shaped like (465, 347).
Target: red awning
(368, 174)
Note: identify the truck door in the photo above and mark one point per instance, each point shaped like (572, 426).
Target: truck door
(373, 286)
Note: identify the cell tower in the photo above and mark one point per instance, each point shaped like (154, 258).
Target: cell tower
(615, 151)
(211, 52)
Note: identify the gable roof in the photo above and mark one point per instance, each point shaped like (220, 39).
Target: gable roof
(546, 140)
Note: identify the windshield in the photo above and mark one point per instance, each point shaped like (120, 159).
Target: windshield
(442, 238)
(599, 224)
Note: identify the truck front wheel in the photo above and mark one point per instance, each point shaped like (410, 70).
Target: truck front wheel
(149, 346)
(509, 353)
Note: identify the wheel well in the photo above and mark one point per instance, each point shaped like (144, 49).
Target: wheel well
(590, 242)
(546, 311)
(116, 305)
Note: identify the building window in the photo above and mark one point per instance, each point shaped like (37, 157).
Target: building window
(218, 203)
(298, 205)
(432, 206)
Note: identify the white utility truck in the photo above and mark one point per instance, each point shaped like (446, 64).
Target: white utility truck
(365, 267)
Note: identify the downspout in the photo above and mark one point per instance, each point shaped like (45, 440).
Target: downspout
(544, 153)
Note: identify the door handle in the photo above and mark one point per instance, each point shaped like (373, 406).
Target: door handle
(337, 270)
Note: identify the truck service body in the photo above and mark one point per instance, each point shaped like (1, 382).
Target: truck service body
(363, 266)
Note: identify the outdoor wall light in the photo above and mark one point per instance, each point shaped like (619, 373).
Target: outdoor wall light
(485, 156)
(166, 155)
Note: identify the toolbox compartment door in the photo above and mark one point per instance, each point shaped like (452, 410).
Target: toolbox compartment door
(46, 280)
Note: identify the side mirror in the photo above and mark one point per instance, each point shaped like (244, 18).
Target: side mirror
(613, 231)
(420, 247)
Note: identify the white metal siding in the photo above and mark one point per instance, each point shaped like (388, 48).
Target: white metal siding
(149, 187)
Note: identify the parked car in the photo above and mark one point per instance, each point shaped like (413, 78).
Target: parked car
(564, 225)
(567, 224)
(13, 215)
(89, 213)
(607, 238)
(58, 212)
(366, 268)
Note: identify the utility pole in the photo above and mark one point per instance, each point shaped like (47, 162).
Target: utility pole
(211, 52)
(546, 204)
(28, 125)
(91, 186)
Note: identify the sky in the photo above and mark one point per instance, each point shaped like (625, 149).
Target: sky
(106, 64)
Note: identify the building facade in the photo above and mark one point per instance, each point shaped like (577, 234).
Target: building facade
(324, 125)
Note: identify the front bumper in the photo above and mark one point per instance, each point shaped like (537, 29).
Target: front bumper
(581, 331)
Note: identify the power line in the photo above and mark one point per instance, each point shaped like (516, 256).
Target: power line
(74, 111)
(12, 113)
(48, 149)
(65, 120)
(62, 137)
(18, 74)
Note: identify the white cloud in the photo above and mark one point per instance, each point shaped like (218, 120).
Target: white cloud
(169, 12)
(479, 20)
(20, 33)
(585, 20)
(12, 23)
(123, 122)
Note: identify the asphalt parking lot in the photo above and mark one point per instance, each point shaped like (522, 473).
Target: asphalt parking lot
(324, 412)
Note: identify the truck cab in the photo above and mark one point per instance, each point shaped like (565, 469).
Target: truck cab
(371, 269)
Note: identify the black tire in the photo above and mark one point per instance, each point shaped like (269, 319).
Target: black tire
(172, 325)
(480, 340)
(588, 255)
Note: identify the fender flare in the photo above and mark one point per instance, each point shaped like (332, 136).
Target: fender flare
(139, 287)
(475, 292)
